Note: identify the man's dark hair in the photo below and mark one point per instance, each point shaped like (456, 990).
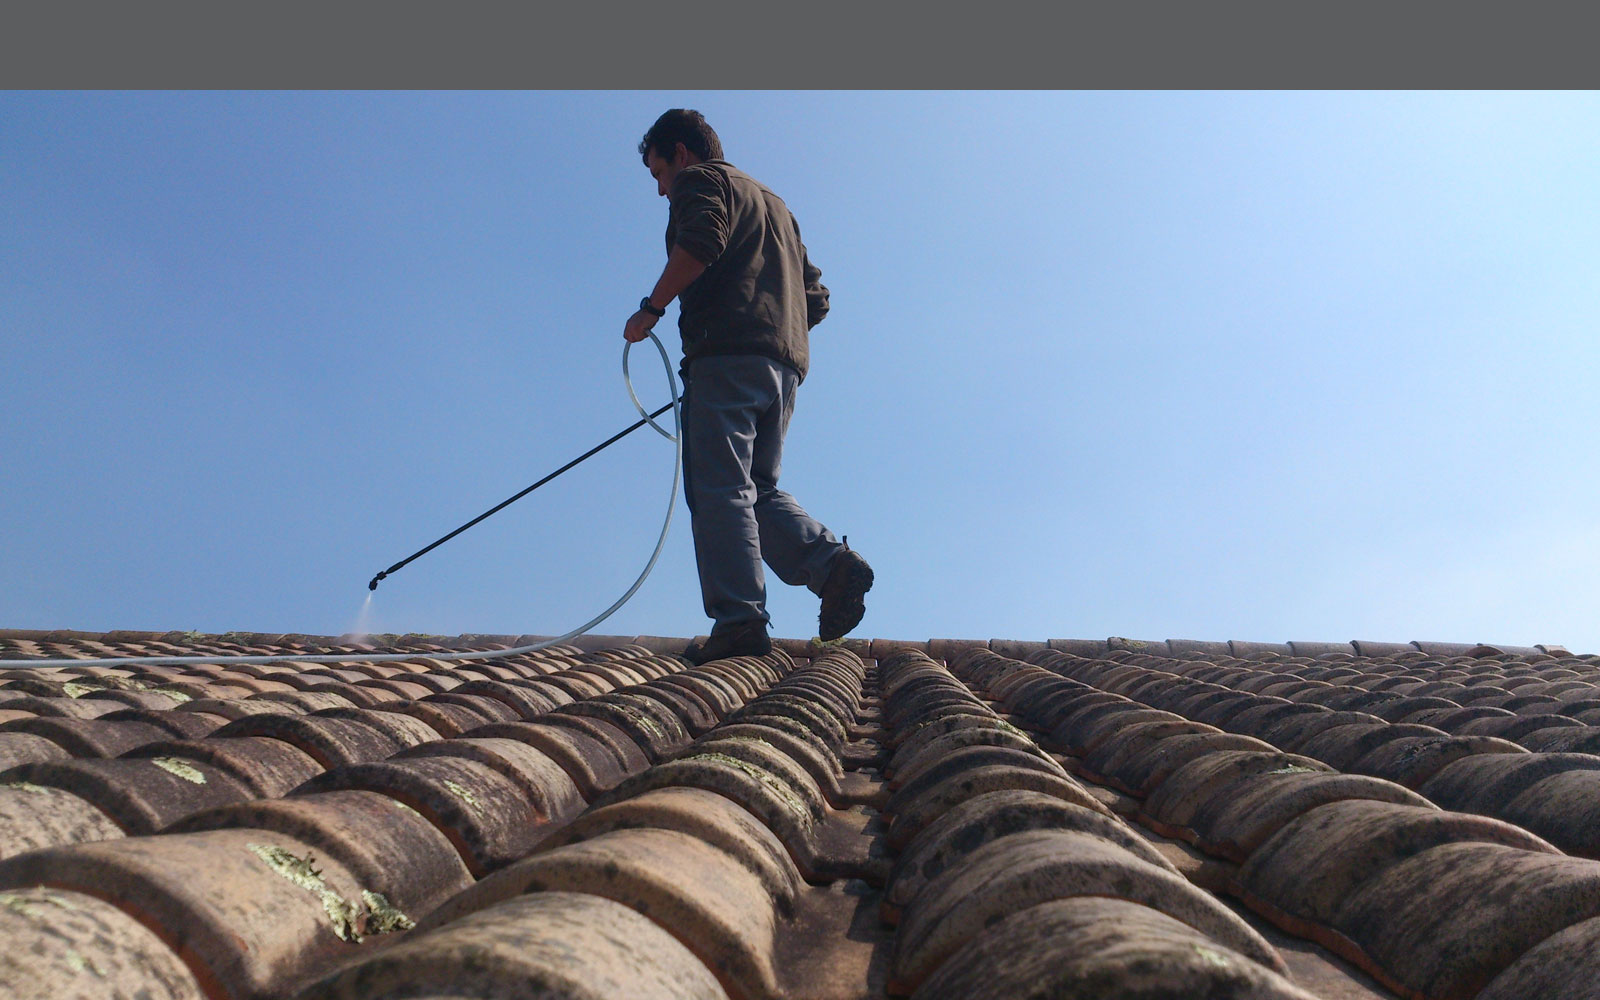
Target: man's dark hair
(681, 125)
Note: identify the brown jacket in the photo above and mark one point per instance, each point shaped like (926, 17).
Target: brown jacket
(760, 293)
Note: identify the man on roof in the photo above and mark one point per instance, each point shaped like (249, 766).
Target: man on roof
(748, 298)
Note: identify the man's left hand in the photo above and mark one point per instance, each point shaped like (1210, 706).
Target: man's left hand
(638, 326)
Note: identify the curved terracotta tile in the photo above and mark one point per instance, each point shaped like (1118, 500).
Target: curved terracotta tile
(1095, 725)
(1026, 869)
(770, 760)
(26, 748)
(696, 715)
(485, 814)
(549, 944)
(1294, 732)
(1257, 807)
(916, 754)
(929, 729)
(1134, 741)
(1220, 709)
(387, 846)
(1448, 920)
(1563, 809)
(1316, 863)
(801, 711)
(140, 796)
(1402, 709)
(945, 698)
(1485, 783)
(574, 686)
(1561, 967)
(963, 759)
(740, 680)
(1084, 948)
(1412, 760)
(812, 756)
(71, 946)
(1563, 739)
(522, 697)
(540, 686)
(711, 903)
(448, 719)
(1341, 746)
(1144, 774)
(543, 782)
(255, 913)
(630, 757)
(591, 765)
(721, 696)
(267, 767)
(946, 842)
(1059, 705)
(647, 723)
(1451, 719)
(1515, 727)
(178, 725)
(331, 742)
(1363, 700)
(309, 701)
(1174, 804)
(841, 689)
(1173, 695)
(67, 708)
(238, 708)
(33, 817)
(98, 737)
(1257, 721)
(933, 803)
(712, 818)
(762, 793)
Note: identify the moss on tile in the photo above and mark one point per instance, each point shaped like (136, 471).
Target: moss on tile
(461, 793)
(24, 786)
(82, 963)
(303, 873)
(766, 778)
(1211, 956)
(181, 768)
(384, 917)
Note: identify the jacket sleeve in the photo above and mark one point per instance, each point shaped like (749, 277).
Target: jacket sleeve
(700, 214)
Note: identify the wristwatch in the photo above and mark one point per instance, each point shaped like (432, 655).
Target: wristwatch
(645, 305)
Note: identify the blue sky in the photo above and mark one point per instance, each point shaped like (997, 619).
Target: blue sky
(1203, 365)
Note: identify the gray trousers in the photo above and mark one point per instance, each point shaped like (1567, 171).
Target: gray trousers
(736, 412)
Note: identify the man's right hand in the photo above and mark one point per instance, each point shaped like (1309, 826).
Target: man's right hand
(638, 326)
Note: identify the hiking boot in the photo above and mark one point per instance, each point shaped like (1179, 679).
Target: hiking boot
(843, 603)
(744, 639)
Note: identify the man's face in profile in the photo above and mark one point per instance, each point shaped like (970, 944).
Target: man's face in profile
(665, 171)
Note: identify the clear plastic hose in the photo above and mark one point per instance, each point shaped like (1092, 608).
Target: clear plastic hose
(676, 437)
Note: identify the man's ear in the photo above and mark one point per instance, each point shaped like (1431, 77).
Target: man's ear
(680, 155)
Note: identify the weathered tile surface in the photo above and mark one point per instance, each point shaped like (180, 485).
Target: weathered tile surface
(1074, 818)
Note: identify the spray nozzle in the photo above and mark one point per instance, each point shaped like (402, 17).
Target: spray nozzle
(374, 584)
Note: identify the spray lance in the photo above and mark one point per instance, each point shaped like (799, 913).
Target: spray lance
(608, 442)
